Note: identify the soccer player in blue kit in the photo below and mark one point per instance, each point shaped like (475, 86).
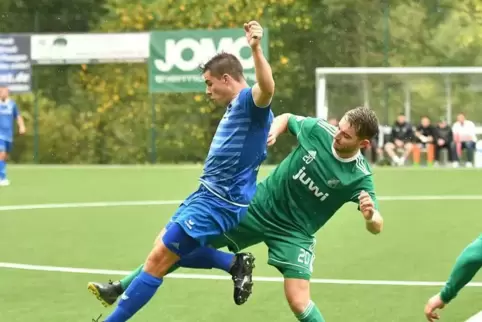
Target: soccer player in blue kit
(228, 182)
(8, 115)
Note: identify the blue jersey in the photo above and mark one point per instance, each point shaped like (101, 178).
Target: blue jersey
(8, 114)
(237, 150)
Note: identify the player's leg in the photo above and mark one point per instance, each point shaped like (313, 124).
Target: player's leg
(107, 293)
(239, 265)
(294, 258)
(297, 292)
(175, 244)
(4, 150)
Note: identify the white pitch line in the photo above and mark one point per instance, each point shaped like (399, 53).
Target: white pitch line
(193, 166)
(177, 202)
(222, 277)
(475, 318)
(90, 204)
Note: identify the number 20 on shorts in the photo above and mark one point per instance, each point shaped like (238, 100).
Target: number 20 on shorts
(306, 258)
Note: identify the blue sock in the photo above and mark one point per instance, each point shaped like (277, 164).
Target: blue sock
(208, 257)
(3, 170)
(139, 292)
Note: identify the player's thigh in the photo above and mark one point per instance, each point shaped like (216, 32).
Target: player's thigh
(408, 146)
(205, 217)
(249, 232)
(292, 256)
(160, 259)
(297, 292)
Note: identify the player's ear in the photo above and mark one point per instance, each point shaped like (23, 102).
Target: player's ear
(364, 143)
(225, 78)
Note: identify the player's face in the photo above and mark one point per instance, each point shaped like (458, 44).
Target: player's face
(218, 89)
(3, 93)
(346, 141)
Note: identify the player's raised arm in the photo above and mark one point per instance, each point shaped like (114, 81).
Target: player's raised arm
(297, 125)
(373, 219)
(263, 90)
(364, 195)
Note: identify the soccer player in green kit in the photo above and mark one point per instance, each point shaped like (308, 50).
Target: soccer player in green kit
(466, 266)
(325, 171)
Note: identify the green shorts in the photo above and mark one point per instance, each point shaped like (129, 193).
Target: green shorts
(292, 255)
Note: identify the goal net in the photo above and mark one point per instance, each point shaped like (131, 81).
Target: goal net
(436, 92)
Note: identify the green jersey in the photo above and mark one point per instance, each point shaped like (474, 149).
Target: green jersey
(312, 183)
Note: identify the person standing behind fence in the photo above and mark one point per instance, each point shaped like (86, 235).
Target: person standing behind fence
(465, 137)
(8, 114)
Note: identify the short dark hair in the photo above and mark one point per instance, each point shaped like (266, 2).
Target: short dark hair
(224, 63)
(364, 120)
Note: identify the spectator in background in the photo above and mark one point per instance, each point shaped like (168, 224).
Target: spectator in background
(424, 139)
(464, 134)
(400, 138)
(444, 140)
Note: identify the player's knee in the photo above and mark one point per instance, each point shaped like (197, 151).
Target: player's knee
(298, 305)
(158, 239)
(389, 147)
(297, 293)
(160, 260)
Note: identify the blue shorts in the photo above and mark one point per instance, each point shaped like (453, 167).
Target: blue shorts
(5, 146)
(203, 215)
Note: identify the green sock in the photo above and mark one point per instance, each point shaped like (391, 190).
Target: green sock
(311, 314)
(126, 281)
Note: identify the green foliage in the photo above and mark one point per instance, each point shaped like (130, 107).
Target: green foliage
(104, 113)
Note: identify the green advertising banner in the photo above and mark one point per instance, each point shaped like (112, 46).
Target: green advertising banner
(175, 56)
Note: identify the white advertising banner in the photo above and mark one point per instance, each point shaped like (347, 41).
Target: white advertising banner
(58, 49)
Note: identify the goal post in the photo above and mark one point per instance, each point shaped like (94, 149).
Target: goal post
(398, 88)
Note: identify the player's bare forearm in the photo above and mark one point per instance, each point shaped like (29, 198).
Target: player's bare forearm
(280, 124)
(375, 225)
(21, 124)
(263, 90)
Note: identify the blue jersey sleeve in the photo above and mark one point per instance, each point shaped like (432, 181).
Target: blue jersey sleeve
(258, 114)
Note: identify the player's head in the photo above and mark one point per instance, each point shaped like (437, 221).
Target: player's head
(355, 130)
(223, 75)
(3, 93)
(425, 121)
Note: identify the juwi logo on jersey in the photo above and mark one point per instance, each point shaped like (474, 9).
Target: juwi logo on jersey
(175, 56)
(308, 182)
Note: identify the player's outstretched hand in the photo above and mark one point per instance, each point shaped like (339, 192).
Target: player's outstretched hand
(21, 131)
(254, 33)
(367, 207)
(271, 138)
(434, 303)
